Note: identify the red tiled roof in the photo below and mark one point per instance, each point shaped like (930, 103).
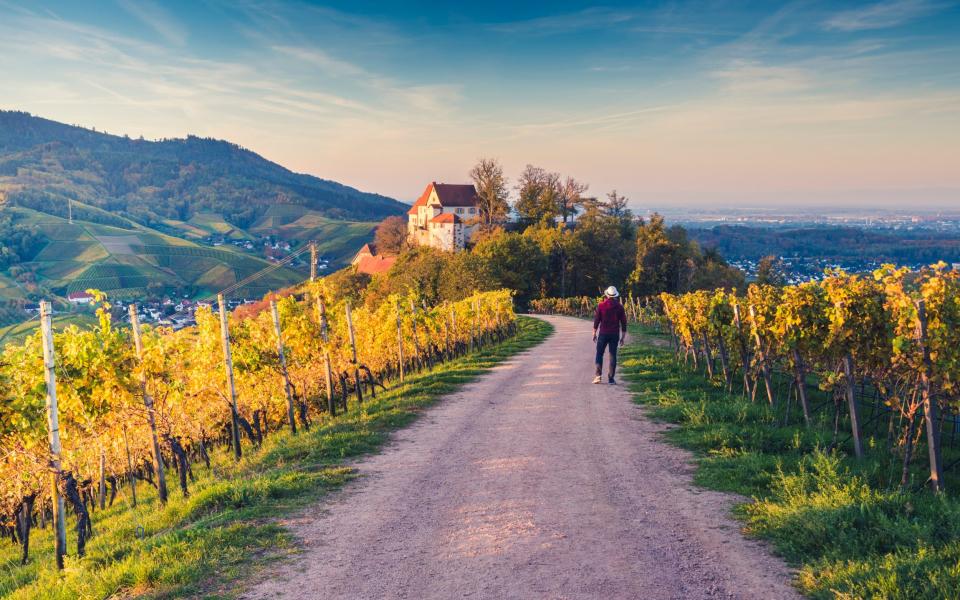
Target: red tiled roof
(373, 265)
(445, 218)
(422, 200)
(450, 194)
(456, 194)
(367, 250)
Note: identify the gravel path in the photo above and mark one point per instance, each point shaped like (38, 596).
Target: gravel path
(529, 483)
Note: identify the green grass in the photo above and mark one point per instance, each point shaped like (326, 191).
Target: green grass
(336, 240)
(843, 523)
(203, 544)
(113, 259)
(26, 326)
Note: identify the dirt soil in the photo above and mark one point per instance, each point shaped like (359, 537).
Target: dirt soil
(529, 483)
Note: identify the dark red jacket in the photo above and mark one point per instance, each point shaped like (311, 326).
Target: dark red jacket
(610, 317)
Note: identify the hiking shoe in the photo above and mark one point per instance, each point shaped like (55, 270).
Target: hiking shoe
(612, 381)
(597, 379)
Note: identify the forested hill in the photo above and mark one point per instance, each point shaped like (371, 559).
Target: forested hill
(837, 243)
(43, 163)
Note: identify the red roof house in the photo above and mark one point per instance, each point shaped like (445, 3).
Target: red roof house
(444, 216)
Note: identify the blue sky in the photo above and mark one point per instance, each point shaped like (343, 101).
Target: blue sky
(711, 103)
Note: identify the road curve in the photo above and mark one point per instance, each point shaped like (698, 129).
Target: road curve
(529, 483)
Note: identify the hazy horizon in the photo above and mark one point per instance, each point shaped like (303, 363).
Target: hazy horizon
(674, 104)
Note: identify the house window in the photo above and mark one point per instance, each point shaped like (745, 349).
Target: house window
(459, 211)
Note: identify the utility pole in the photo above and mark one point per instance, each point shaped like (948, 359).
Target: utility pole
(151, 415)
(53, 430)
(70, 210)
(283, 367)
(228, 367)
(325, 336)
(313, 261)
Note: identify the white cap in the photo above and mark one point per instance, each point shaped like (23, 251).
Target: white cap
(611, 292)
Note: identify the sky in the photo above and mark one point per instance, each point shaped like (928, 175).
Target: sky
(674, 104)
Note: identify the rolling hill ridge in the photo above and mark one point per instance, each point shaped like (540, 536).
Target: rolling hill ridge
(186, 215)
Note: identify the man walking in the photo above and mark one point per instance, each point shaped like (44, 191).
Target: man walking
(609, 330)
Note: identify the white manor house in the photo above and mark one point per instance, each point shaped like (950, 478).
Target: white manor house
(445, 216)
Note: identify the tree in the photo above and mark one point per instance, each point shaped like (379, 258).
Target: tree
(657, 259)
(616, 206)
(529, 187)
(563, 249)
(391, 235)
(514, 262)
(492, 192)
(770, 271)
(570, 198)
(537, 192)
(607, 250)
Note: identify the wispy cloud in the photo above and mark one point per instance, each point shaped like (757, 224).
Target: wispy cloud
(156, 18)
(590, 18)
(882, 15)
(757, 78)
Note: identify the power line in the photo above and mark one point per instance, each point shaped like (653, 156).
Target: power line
(260, 274)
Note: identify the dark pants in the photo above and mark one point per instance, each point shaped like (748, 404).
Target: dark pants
(605, 340)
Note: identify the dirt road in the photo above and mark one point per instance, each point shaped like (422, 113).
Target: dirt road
(529, 483)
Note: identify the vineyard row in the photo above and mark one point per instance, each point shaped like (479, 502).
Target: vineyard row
(82, 410)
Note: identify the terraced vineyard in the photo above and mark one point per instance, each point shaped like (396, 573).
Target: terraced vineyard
(124, 261)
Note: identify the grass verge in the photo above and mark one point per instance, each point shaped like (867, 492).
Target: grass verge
(201, 544)
(844, 524)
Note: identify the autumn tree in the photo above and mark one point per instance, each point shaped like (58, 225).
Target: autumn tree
(616, 206)
(657, 256)
(570, 198)
(537, 195)
(391, 235)
(770, 271)
(515, 262)
(491, 186)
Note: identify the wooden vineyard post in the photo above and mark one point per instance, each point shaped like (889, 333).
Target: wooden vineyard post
(148, 404)
(353, 354)
(447, 353)
(852, 403)
(423, 303)
(281, 356)
(800, 378)
(475, 327)
(102, 487)
(132, 478)
(313, 261)
(328, 372)
(399, 341)
(708, 354)
(53, 431)
(231, 386)
(764, 367)
(744, 355)
(453, 327)
(416, 338)
(930, 407)
(724, 362)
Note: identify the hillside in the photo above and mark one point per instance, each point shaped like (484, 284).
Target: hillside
(187, 215)
(43, 163)
(128, 260)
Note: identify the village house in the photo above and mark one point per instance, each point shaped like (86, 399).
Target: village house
(445, 216)
(80, 298)
(368, 261)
